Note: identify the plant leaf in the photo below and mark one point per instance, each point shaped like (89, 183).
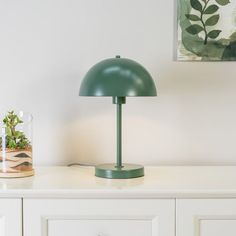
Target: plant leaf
(223, 2)
(194, 29)
(12, 143)
(192, 17)
(214, 34)
(211, 9)
(8, 131)
(197, 5)
(212, 20)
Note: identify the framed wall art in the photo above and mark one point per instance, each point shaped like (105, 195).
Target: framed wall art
(206, 30)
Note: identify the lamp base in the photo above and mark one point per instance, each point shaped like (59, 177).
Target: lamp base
(127, 171)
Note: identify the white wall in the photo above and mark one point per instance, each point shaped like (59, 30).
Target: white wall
(46, 47)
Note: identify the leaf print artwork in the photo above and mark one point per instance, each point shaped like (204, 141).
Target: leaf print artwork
(206, 30)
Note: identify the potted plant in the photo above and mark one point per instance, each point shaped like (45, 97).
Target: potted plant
(16, 148)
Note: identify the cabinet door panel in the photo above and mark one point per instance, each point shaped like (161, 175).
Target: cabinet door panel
(206, 217)
(102, 217)
(10, 217)
(218, 227)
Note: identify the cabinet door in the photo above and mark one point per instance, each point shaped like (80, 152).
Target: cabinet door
(10, 217)
(206, 217)
(103, 217)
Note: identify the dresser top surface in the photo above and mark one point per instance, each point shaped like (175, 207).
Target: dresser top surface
(158, 182)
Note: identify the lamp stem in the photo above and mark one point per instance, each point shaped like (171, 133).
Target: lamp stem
(119, 101)
(119, 135)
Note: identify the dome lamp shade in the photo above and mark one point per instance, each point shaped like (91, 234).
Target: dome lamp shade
(118, 78)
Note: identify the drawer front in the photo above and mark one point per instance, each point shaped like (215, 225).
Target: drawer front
(103, 217)
(206, 217)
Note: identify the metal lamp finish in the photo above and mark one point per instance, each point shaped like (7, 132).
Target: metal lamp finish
(127, 171)
(118, 78)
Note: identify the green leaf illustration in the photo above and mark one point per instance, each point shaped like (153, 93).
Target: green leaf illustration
(197, 5)
(211, 9)
(214, 34)
(192, 17)
(212, 20)
(223, 2)
(194, 29)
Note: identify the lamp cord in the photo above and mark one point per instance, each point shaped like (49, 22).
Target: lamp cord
(79, 164)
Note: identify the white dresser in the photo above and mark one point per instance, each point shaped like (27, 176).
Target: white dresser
(168, 201)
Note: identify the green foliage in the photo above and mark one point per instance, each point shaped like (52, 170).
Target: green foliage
(213, 20)
(211, 9)
(193, 17)
(195, 4)
(14, 139)
(230, 52)
(205, 10)
(214, 34)
(222, 2)
(194, 29)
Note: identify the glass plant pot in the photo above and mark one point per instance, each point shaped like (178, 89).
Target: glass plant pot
(16, 145)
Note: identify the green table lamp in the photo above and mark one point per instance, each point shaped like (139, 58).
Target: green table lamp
(118, 78)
